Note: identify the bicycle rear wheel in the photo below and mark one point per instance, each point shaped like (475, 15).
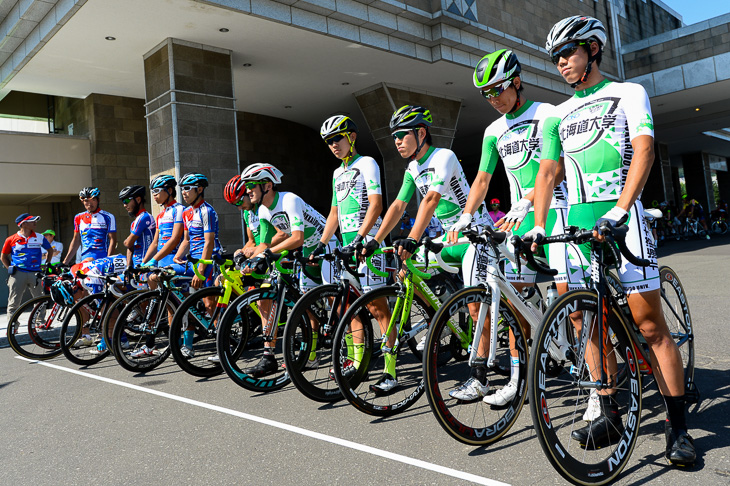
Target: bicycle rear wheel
(110, 317)
(559, 392)
(240, 325)
(360, 327)
(317, 309)
(675, 307)
(192, 315)
(34, 329)
(446, 368)
(148, 341)
(84, 319)
(719, 227)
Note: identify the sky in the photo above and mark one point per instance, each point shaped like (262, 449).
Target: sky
(690, 12)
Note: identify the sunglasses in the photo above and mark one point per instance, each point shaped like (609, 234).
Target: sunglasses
(497, 90)
(334, 139)
(187, 188)
(157, 190)
(252, 184)
(566, 51)
(240, 201)
(127, 201)
(401, 134)
(86, 198)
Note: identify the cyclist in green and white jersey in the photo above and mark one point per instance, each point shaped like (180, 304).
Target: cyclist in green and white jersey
(357, 202)
(288, 213)
(516, 139)
(437, 174)
(606, 133)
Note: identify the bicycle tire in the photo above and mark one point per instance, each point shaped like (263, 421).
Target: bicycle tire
(239, 325)
(74, 323)
(192, 311)
(155, 332)
(719, 227)
(110, 317)
(33, 341)
(319, 305)
(446, 367)
(357, 388)
(675, 307)
(557, 402)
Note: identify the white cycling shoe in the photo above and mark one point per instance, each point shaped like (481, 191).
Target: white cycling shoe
(503, 396)
(470, 390)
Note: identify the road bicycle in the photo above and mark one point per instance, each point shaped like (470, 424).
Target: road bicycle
(242, 334)
(192, 316)
(562, 392)
(691, 227)
(719, 224)
(454, 340)
(34, 329)
(386, 324)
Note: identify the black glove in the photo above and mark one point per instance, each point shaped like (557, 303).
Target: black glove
(370, 247)
(319, 250)
(239, 258)
(408, 244)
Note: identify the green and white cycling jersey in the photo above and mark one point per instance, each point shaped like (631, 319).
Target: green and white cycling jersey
(594, 130)
(290, 213)
(440, 171)
(351, 186)
(516, 138)
(252, 223)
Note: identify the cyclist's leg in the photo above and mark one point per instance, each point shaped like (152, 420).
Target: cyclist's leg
(378, 308)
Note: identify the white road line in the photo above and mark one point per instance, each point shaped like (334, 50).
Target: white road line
(289, 428)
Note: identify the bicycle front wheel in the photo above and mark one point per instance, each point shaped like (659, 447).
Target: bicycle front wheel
(446, 368)
(562, 389)
(111, 315)
(34, 329)
(675, 307)
(361, 363)
(81, 331)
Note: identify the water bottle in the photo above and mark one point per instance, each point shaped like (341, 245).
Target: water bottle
(552, 294)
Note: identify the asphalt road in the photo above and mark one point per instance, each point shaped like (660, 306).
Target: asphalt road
(65, 425)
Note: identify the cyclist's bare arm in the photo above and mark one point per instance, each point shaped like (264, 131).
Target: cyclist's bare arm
(72, 247)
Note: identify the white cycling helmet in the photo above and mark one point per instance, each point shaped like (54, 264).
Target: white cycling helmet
(262, 172)
(337, 124)
(576, 27)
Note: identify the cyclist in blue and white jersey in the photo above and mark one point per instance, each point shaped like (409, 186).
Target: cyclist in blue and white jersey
(142, 230)
(95, 230)
(170, 227)
(606, 133)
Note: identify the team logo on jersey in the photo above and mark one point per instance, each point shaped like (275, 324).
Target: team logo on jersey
(524, 146)
(281, 221)
(593, 121)
(345, 183)
(646, 123)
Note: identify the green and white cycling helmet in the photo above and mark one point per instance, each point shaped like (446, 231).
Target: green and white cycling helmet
(262, 172)
(410, 116)
(496, 67)
(335, 125)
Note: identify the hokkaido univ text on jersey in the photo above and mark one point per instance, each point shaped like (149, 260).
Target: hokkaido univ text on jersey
(594, 129)
(290, 213)
(94, 229)
(516, 138)
(439, 171)
(351, 187)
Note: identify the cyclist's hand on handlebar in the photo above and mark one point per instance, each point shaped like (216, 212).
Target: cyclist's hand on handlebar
(319, 250)
(196, 283)
(535, 235)
(513, 219)
(151, 263)
(405, 247)
(464, 221)
(615, 217)
(370, 248)
(179, 260)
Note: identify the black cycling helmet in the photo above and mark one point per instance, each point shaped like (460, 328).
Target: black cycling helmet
(131, 191)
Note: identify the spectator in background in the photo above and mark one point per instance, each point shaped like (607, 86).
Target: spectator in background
(57, 247)
(21, 255)
(494, 211)
(434, 228)
(405, 225)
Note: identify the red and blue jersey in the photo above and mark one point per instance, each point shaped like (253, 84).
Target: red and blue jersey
(93, 270)
(166, 221)
(25, 253)
(94, 229)
(199, 220)
(143, 227)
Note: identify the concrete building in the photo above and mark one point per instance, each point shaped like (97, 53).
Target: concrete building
(136, 88)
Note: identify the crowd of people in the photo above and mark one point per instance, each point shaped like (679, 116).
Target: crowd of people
(554, 182)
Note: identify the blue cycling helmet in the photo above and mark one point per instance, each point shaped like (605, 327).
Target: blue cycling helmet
(194, 179)
(62, 293)
(163, 181)
(88, 192)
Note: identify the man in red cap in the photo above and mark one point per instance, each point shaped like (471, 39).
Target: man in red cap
(21, 255)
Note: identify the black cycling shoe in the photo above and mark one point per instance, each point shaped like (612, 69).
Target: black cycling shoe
(264, 367)
(599, 433)
(680, 450)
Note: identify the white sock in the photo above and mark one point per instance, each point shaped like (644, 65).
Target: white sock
(514, 370)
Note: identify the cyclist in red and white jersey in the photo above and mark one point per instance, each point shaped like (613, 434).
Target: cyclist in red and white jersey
(95, 230)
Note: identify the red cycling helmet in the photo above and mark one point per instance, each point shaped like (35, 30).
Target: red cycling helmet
(234, 190)
(494, 201)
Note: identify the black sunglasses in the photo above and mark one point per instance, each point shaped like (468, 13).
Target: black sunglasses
(400, 135)
(566, 51)
(334, 139)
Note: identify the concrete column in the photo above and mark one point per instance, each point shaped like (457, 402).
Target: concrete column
(378, 103)
(659, 185)
(191, 121)
(723, 184)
